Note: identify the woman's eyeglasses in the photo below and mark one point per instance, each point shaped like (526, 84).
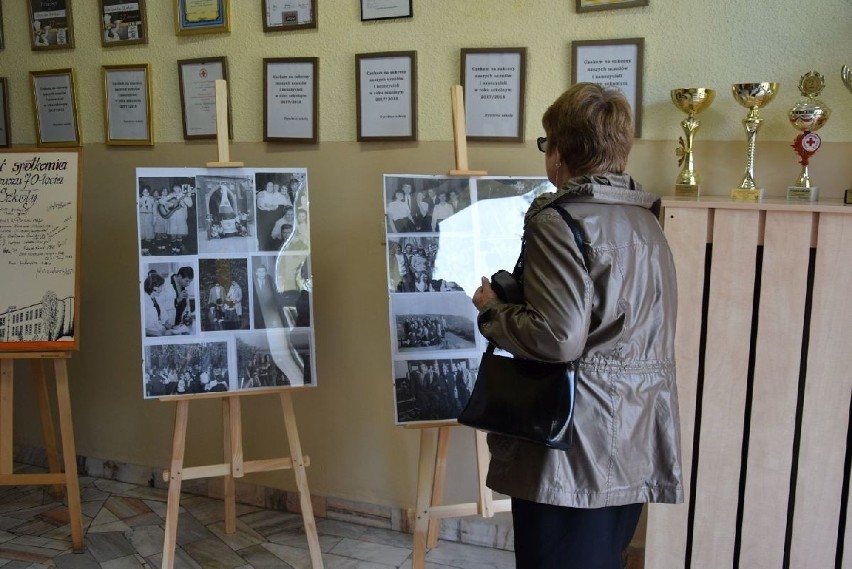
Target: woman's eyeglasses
(542, 143)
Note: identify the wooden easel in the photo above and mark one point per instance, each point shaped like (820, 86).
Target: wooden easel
(460, 135)
(56, 477)
(431, 473)
(234, 466)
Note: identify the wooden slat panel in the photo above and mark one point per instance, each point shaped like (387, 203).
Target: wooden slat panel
(686, 230)
(776, 378)
(735, 239)
(826, 406)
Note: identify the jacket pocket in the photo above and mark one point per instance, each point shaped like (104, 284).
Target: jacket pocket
(502, 448)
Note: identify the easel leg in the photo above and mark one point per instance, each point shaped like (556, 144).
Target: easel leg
(175, 473)
(48, 431)
(231, 415)
(438, 484)
(425, 481)
(69, 454)
(6, 417)
(301, 481)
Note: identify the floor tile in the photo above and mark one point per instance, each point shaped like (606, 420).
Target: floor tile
(372, 552)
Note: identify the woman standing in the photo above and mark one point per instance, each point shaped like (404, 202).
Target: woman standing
(611, 308)
(147, 205)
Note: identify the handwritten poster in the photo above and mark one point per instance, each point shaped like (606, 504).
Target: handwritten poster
(39, 234)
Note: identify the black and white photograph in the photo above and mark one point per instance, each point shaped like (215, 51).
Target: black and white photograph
(421, 204)
(169, 299)
(186, 368)
(412, 263)
(281, 200)
(281, 291)
(432, 389)
(225, 208)
(430, 323)
(166, 209)
(275, 358)
(223, 293)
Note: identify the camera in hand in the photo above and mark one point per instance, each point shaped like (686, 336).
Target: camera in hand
(506, 287)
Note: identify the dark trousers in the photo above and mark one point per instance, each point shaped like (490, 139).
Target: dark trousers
(551, 537)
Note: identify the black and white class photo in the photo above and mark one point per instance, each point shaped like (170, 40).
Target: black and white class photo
(181, 369)
(281, 201)
(411, 265)
(422, 204)
(427, 323)
(166, 209)
(223, 290)
(169, 293)
(432, 389)
(274, 358)
(226, 217)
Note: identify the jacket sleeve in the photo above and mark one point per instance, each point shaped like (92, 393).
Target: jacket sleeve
(552, 324)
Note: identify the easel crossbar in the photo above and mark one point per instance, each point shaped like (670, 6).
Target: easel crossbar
(224, 469)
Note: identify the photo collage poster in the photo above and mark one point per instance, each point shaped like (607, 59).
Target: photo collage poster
(443, 233)
(224, 280)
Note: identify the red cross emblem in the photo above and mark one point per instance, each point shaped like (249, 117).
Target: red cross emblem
(203, 73)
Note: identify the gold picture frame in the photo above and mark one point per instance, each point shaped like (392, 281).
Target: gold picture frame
(57, 115)
(127, 105)
(51, 24)
(598, 5)
(197, 17)
(123, 22)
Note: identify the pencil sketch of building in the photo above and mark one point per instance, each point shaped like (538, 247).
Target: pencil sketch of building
(50, 320)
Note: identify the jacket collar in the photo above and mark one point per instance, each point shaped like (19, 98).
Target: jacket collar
(605, 188)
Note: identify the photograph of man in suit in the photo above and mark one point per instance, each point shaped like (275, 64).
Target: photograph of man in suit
(267, 312)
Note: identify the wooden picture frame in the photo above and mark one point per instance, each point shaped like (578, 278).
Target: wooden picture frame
(386, 9)
(598, 5)
(123, 22)
(289, 15)
(127, 105)
(197, 17)
(2, 32)
(494, 85)
(612, 63)
(197, 79)
(386, 96)
(5, 120)
(291, 99)
(55, 107)
(51, 24)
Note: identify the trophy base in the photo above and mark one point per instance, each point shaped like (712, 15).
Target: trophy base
(747, 195)
(847, 197)
(802, 194)
(687, 190)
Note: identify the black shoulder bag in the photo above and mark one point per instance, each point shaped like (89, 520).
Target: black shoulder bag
(525, 399)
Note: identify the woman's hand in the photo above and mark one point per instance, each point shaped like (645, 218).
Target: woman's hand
(483, 295)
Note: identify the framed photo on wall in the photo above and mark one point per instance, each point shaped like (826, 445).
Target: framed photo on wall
(386, 96)
(127, 105)
(287, 15)
(51, 24)
(5, 124)
(291, 101)
(55, 104)
(123, 22)
(493, 81)
(385, 9)
(615, 63)
(596, 5)
(202, 16)
(197, 79)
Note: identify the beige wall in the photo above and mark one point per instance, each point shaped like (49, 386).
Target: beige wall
(346, 424)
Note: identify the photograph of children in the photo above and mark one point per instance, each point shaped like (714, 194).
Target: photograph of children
(420, 204)
(276, 358)
(223, 286)
(432, 389)
(411, 265)
(431, 322)
(281, 286)
(282, 204)
(180, 369)
(166, 209)
(225, 214)
(169, 294)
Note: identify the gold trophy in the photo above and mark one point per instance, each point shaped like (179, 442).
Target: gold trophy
(692, 102)
(753, 96)
(846, 76)
(808, 116)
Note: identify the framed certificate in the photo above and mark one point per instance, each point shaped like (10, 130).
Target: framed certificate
(386, 85)
(612, 63)
(123, 22)
(385, 9)
(493, 81)
(595, 5)
(5, 125)
(127, 105)
(202, 16)
(286, 15)
(198, 95)
(55, 104)
(290, 107)
(51, 25)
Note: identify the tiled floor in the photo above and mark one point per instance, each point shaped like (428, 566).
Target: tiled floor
(123, 526)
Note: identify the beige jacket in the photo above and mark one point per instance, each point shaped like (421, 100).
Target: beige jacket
(619, 320)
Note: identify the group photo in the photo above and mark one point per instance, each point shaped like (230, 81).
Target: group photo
(275, 358)
(419, 205)
(424, 323)
(433, 389)
(411, 266)
(282, 213)
(179, 369)
(167, 216)
(223, 285)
